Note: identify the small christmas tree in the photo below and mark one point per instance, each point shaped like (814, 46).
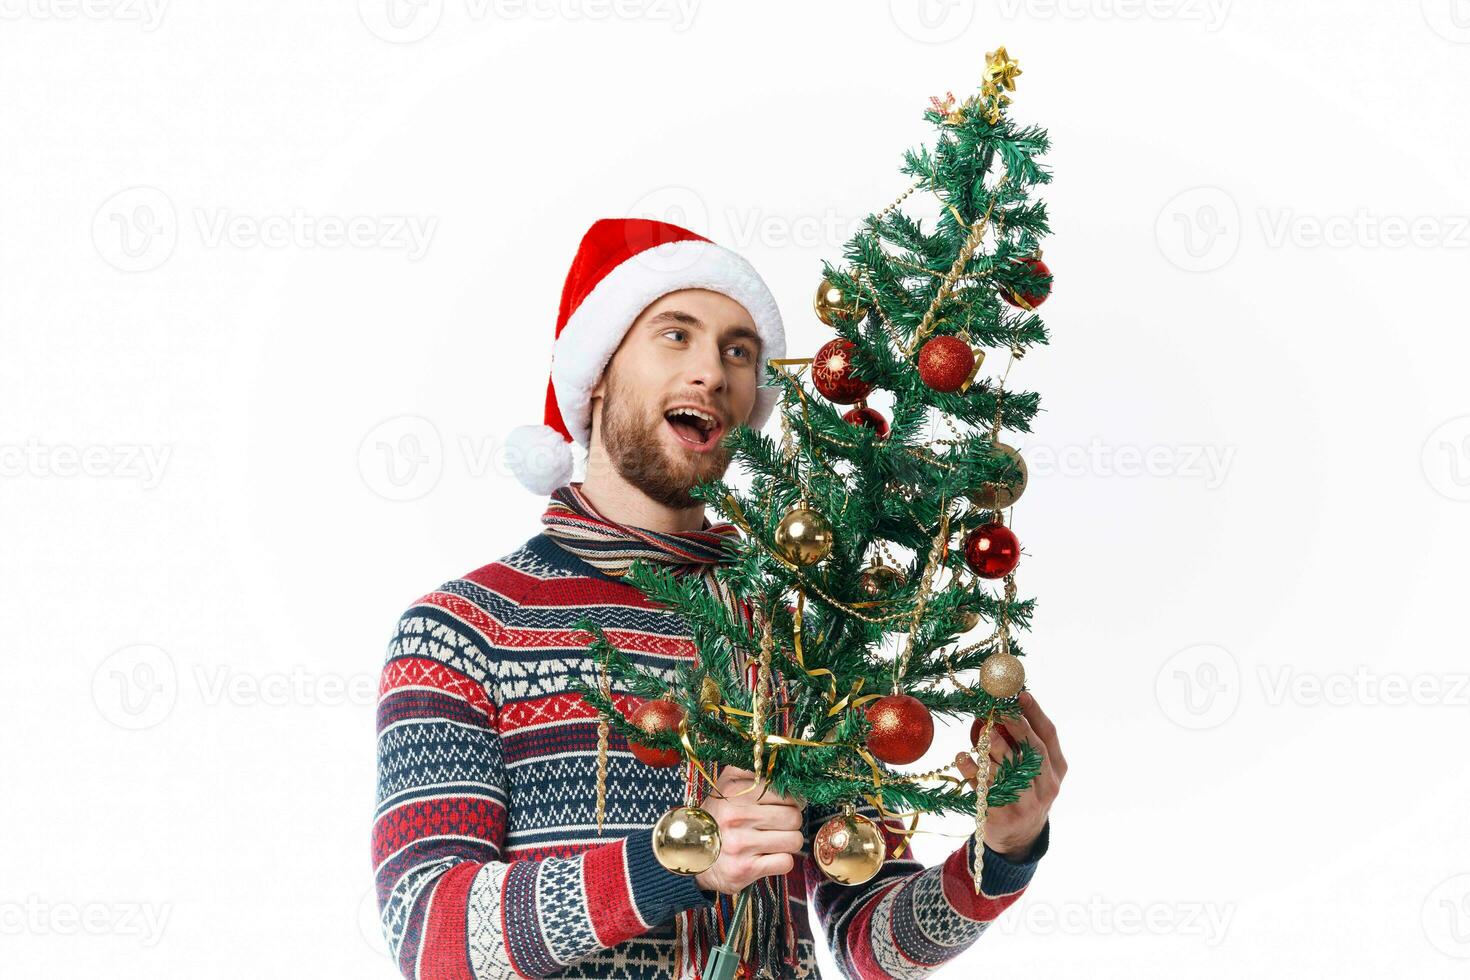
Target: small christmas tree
(874, 548)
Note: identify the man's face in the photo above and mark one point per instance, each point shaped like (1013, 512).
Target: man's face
(684, 375)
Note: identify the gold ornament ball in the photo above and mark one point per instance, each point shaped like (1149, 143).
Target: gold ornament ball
(831, 302)
(999, 496)
(849, 849)
(1002, 676)
(804, 537)
(879, 579)
(686, 840)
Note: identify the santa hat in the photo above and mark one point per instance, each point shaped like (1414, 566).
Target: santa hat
(621, 267)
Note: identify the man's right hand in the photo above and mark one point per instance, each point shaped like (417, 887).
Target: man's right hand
(760, 833)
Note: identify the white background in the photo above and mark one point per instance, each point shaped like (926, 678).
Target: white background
(231, 459)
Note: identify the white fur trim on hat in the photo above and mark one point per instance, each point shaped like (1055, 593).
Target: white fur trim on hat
(539, 457)
(598, 325)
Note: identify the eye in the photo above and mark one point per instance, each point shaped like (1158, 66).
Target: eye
(740, 351)
(680, 331)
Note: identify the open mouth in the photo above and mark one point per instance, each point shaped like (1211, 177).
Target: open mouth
(694, 427)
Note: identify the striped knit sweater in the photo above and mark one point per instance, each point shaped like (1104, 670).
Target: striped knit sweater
(486, 853)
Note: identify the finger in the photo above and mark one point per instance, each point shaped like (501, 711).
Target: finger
(778, 818)
(1022, 730)
(773, 864)
(1044, 727)
(777, 841)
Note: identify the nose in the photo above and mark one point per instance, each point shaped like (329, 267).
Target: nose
(706, 368)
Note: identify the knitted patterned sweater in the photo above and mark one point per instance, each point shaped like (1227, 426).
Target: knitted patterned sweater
(486, 853)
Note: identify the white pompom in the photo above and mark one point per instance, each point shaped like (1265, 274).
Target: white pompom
(540, 457)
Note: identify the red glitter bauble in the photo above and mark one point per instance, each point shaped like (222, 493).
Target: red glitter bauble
(832, 373)
(997, 733)
(872, 418)
(657, 716)
(902, 729)
(1030, 301)
(991, 551)
(945, 363)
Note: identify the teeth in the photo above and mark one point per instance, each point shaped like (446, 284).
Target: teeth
(705, 417)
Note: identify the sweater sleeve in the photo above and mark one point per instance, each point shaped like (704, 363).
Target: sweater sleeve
(451, 905)
(909, 920)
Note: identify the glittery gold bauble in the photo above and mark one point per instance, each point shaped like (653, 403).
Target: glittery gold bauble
(804, 537)
(998, 496)
(849, 849)
(878, 579)
(831, 302)
(686, 840)
(1002, 675)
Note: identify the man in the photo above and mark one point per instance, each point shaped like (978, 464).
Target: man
(487, 853)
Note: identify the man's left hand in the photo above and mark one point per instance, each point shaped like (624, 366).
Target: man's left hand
(1011, 830)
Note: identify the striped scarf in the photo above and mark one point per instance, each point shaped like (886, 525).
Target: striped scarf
(575, 525)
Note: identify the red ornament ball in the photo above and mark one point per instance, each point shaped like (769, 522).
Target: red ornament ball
(997, 734)
(832, 373)
(1031, 300)
(902, 729)
(657, 716)
(945, 363)
(991, 551)
(872, 418)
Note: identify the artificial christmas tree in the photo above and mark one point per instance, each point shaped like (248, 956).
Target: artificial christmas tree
(874, 539)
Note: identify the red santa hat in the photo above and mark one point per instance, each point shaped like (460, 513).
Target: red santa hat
(621, 267)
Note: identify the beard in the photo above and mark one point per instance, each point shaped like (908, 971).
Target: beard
(632, 436)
